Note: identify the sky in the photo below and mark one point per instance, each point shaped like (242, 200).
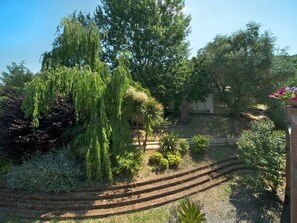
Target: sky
(28, 27)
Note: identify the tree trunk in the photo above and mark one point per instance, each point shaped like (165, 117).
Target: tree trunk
(138, 133)
(184, 111)
(145, 139)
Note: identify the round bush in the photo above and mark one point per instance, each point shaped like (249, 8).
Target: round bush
(174, 160)
(128, 163)
(183, 146)
(155, 158)
(200, 143)
(52, 172)
(164, 164)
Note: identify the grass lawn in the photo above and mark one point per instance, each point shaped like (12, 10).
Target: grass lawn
(214, 125)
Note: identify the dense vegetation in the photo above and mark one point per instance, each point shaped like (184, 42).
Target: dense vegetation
(263, 149)
(108, 71)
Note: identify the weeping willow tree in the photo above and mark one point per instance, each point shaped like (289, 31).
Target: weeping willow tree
(77, 44)
(97, 98)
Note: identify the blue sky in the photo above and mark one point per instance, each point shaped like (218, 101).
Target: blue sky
(28, 26)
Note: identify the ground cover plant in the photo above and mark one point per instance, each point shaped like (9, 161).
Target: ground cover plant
(51, 172)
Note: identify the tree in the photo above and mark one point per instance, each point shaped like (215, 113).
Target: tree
(152, 33)
(240, 65)
(91, 99)
(77, 44)
(14, 81)
(190, 82)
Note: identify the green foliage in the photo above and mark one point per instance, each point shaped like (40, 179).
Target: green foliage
(200, 143)
(155, 158)
(263, 149)
(53, 172)
(188, 211)
(153, 35)
(14, 81)
(101, 116)
(183, 146)
(5, 166)
(240, 66)
(277, 113)
(128, 163)
(77, 44)
(153, 117)
(174, 160)
(172, 143)
(163, 165)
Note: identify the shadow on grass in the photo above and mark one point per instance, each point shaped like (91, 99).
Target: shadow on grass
(214, 125)
(214, 154)
(252, 208)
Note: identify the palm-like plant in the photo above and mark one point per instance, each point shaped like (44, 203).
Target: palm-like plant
(153, 117)
(190, 212)
(134, 106)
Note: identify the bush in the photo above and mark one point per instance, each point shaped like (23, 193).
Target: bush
(200, 143)
(18, 137)
(187, 212)
(5, 166)
(155, 158)
(172, 143)
(128, 163)
(184, 146)
(174, 160)
(263, 149)
(163, 165)
(52, 172)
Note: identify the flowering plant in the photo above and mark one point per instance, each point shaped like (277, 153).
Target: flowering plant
(287, 93)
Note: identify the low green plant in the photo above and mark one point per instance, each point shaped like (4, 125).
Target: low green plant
(5, 166)
(128, 163)
(172, 143)
(187, 211)
(184, 146)
(155, 158)
(200, 143)
(52, 172)
(163, 165)
(263, 149)
(174, 160)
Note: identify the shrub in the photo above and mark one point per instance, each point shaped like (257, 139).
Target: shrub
(200, 143)
(18, 136)
(174, 160)
(5, 166)
(128, 163)
(52, 172)
(184, 146)
(187, 212)
(263, 149)
(155, 158)
(172, 143)
(163, 165)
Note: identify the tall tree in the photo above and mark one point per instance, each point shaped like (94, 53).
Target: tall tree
(189, 82)
(77, 44)
(240, 65)
(152, 32)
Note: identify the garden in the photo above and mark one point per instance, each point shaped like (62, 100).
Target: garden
(90, 138)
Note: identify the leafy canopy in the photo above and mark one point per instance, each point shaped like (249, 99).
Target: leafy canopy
(153, 35)
(97, 103)
(263, 149)
(239, 65)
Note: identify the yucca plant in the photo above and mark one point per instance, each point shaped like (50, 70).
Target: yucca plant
(189, 211)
